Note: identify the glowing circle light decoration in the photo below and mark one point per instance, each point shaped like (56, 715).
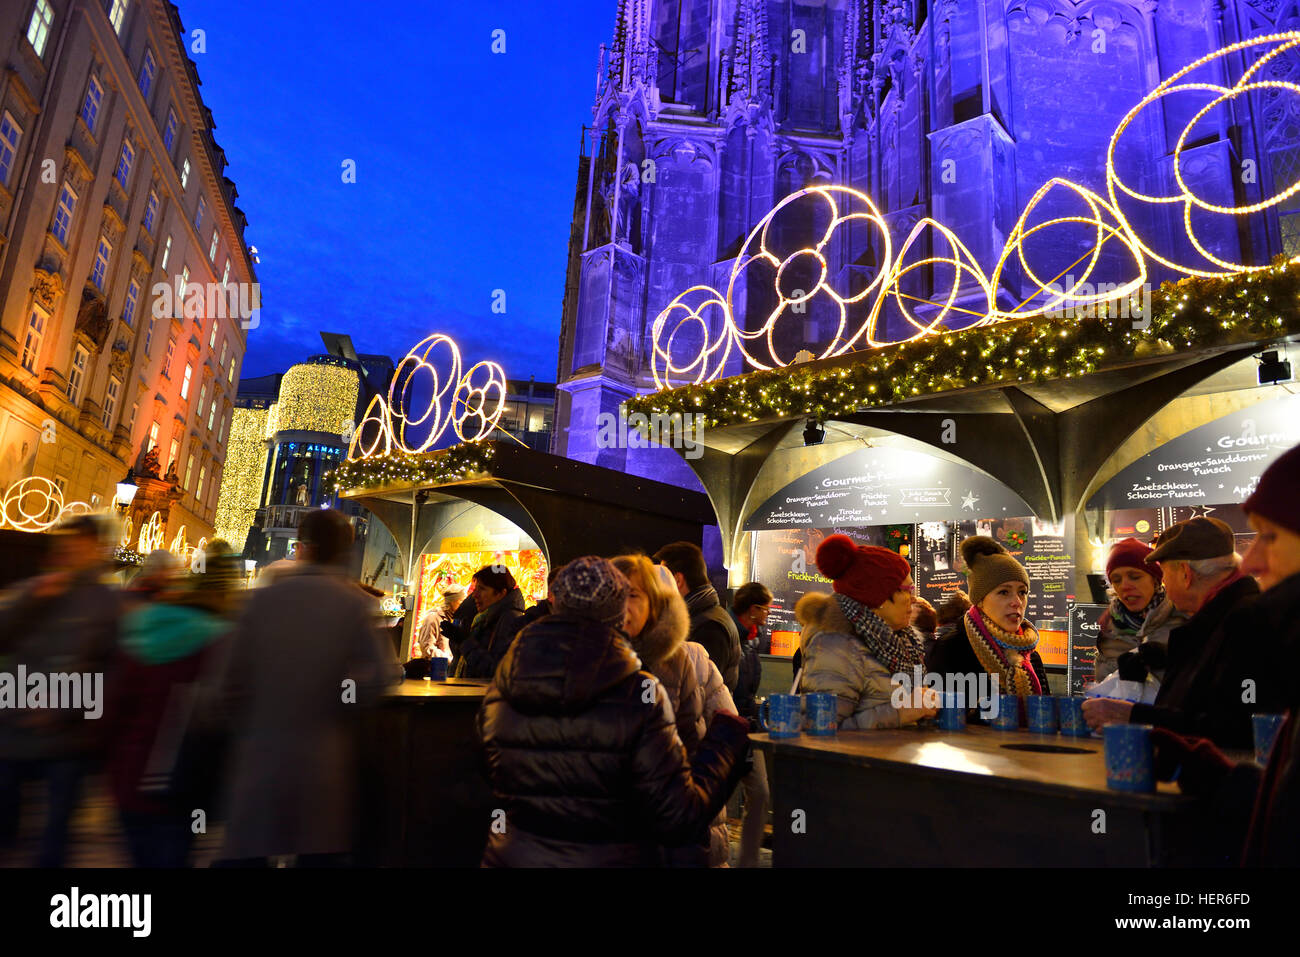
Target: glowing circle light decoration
(32, 504)
(693, 337)
(151, 534)
(429, 384)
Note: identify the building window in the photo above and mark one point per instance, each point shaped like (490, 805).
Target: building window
(212, 248)
(148, 336)
(203, 397)
(10, 133)
(150, 211)
(225, 348)
(102, 255)
(110, 402)
(225, 274)
(167, 360)
(124, 163)
(128, 310)
(185, 382)
(167, 253)
(212, 337)
(146, 74)
(189, 470)
(230, 376)
(135, 408)
(212, 412)
(169, 131)
(198, 214)
(90, 107)
(117, 15)
(173, 456)
(38, 29)
(78, 374)
(63, 214)
(221, 433)
(35, 336)
(185, 175)
(203, 474)
(153, 437)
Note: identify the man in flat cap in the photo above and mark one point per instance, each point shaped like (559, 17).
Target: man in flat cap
(1213, 679)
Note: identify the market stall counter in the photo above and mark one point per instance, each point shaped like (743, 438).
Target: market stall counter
(980, 798)
(425, 798)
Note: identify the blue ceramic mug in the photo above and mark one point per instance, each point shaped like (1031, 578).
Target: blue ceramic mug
(780, 715)
(1070, 709)
(1041, 711)
(1008, 716)
(952, 712)
(821, 712)
(1130, 757)
(437, 669)
(1266, 729)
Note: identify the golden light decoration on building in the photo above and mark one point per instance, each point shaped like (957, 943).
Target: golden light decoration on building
(471, 403)
(151, 535)
(124, 540)
(685, 349)
(241, 479)
(316, 397)
(32, 504)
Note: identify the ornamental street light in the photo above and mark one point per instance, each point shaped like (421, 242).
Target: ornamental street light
(126, 490)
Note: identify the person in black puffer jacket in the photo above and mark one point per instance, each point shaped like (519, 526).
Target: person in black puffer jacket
(581, 745)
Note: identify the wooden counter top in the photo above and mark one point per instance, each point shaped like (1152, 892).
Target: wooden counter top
(977, 753)
(418, 688)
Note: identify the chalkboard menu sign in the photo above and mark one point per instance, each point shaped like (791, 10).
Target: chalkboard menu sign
(1084, 628)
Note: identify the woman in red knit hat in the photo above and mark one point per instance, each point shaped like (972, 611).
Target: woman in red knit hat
(1140, 614)
(861, 636)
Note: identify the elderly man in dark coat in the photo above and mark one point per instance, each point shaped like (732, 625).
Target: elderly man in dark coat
(305, 656)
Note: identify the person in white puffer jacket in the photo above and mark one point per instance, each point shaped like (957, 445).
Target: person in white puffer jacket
(657, 626)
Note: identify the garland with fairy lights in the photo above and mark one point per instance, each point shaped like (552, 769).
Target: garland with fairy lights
(1192, 313)
(455, 464)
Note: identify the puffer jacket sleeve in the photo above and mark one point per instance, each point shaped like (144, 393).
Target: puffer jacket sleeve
(830, 664)
(680, 797)
(716, 696)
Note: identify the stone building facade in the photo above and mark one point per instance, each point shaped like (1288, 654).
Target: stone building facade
(126, 287)
(709, 112)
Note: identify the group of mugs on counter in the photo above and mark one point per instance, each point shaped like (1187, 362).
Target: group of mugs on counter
(1129, 749)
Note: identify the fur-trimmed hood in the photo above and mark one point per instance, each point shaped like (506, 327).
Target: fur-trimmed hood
(660, 640)
(817, 613)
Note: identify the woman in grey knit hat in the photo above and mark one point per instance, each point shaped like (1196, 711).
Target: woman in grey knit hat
(994, 638)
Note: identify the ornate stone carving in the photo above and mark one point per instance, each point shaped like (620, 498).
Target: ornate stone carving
(47, 288)
(92, 317)
(120, 361)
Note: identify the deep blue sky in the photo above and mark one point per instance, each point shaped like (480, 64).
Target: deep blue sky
(466, 166)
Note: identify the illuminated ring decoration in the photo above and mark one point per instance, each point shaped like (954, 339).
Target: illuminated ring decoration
(28, 501)
(692, 338)
(474, 403)
(124, 540)
(151, 535)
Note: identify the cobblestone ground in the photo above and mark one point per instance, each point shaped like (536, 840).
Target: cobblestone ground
(95, 838)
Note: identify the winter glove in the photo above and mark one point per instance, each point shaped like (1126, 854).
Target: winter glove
(1132, 667)
(1154, 656)
(1199, 766)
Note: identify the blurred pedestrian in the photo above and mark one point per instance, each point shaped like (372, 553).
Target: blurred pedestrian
(711, 626)
(151, 722)
(155, 576)
(60, 623)
(306, 654)
(500, 604)
(749, 609)
(656, 626)
(582, 749)
(862, 637)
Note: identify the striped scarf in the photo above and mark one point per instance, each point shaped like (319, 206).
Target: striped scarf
(990, 643)
(898, 651)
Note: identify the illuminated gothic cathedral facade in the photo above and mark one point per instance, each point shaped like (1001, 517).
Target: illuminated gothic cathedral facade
(708, 112)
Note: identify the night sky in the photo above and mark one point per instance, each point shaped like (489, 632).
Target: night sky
(466, 165)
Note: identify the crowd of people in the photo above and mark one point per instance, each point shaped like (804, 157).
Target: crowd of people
(616, 719)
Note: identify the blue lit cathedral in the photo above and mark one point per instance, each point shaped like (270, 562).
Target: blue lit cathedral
(708, 113)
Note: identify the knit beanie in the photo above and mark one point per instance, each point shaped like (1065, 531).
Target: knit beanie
(988, 565)
(1130, 553)
(590, 587)
(1276, 497)
(865, 573)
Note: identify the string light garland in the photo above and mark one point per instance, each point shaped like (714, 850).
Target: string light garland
(1192, 313)
(455, 464)
(684, 349)
(316, 396)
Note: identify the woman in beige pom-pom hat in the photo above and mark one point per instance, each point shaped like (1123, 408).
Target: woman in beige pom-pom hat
(994, 637)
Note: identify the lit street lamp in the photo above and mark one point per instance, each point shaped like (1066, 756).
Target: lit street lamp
(126, 490)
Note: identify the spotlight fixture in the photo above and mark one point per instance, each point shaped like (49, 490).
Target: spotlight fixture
(1272, 370)
(813, 433)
